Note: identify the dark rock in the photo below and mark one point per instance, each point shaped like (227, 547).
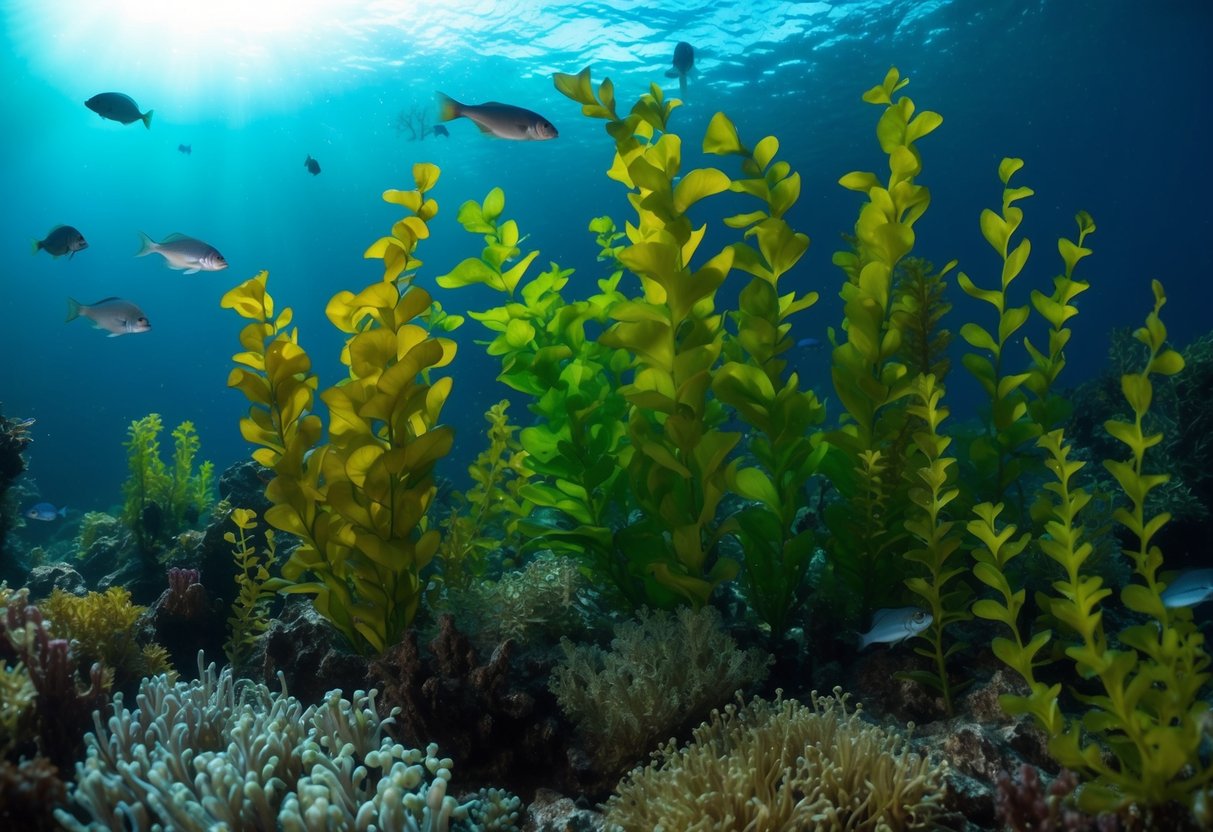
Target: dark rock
(551, 811)
(44, 579)
(309, 653)
(243, 486)
(184, 620)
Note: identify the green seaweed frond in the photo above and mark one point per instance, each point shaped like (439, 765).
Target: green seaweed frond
(104, 628)
(249, 618)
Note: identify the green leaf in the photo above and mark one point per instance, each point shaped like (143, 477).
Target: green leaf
(721, 137)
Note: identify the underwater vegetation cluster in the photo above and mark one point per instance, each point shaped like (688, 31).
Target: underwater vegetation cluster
(675, 485)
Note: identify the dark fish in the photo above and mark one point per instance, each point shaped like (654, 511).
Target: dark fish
(184, 252)
(809, 343)
(62, 239)
(185, 148)
(684, 64)
(439, 130)
(45, 512)
(118, 107)
(505, 121)
(114, 315)
(313, 167)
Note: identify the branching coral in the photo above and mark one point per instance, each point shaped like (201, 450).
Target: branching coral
(63, 705)
(16, 696)
(493, 727)
(198, 756)
(783, 766)
(664, 672)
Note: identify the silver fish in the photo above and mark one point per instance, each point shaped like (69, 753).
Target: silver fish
(62, 239)
(505, 121)
(184, 252)
(114, 315)
(1191, 587)
(889, 626)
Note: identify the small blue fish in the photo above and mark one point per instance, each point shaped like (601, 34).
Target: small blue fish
(808, 343)
(45, 512)
(890, 626)
(1191, 587)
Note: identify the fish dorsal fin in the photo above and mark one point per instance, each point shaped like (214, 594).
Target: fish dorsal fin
(176, 236)
(53, 230)
(881, 616)
(495, 104)
(104, 300)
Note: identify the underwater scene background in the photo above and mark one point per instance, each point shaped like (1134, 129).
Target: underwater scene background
(549, 600)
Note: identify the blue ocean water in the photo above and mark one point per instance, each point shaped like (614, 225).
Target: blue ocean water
(1105, 100)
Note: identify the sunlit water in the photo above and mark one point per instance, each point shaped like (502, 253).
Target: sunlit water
(1106, 101)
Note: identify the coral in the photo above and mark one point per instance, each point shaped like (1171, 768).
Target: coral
(783, 765)
(64, 704)
(16, 696)
(30, 792)
(102, 627)
(1025, 805)
(493, 728)
(663, 673)
(358, 500)
(185, 596)
(94, 526)
(249, 618)
(197, 756)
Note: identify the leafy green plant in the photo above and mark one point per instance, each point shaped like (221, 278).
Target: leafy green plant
(249, 618)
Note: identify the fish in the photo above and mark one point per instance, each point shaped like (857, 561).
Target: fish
(890, 626)
(684, 64)
(115, 315)
(45, 512)
(61, 240)
(185, 148)
(313, 167)
(116, 106)
(1190, 587)
(505, 121)
(439, 130)
(809, 343)
(182, 252)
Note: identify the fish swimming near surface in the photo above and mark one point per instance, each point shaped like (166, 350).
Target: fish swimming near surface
(62, 239)
(439, 130)
(185, 148)
(1191, 587)
(182, 252)
(313, 167)
(116, 106)
(115, 315)
(505, 121)
(45, 512)
(684, 64)
(890, 626)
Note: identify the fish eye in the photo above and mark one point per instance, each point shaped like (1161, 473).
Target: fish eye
(919, 617)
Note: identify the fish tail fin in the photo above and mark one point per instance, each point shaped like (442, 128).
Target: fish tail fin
(37, 246)
(146, 245)
(73, 310)
(147, 119)
(62, 512)
(448, 108)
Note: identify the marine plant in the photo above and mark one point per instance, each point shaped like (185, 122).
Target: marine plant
(102, 626)
(784, 765)
(577, 446)
(160, 500)
(663, 673)
(1139, 741)
(197, 755)
(16, 698)
(249, 618)
(357, 498)
(493, 504)
(870, 448)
